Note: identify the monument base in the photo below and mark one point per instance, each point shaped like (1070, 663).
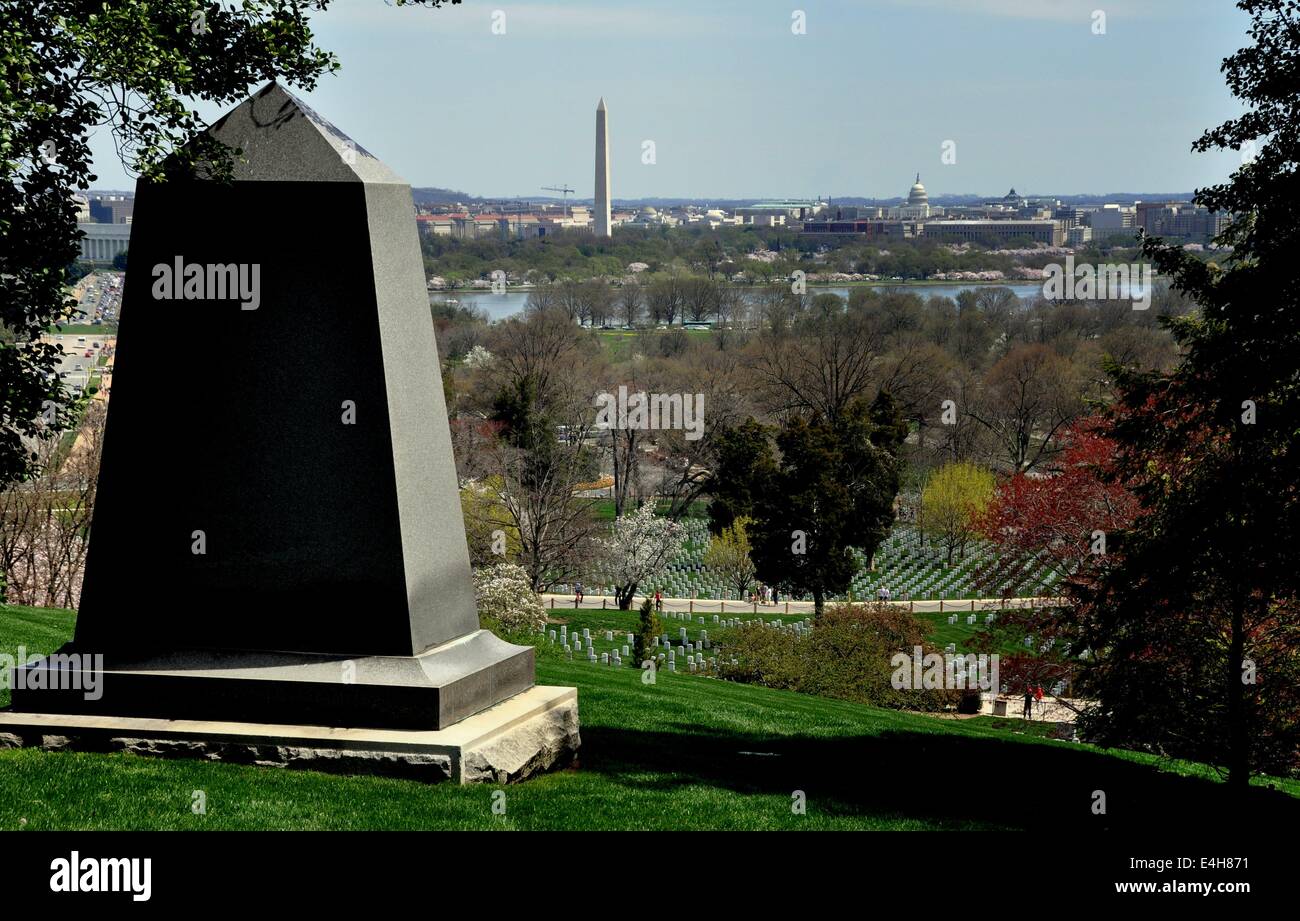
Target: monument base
(529, 733)
(434, 690)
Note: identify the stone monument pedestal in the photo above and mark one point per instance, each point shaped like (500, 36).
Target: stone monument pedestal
(277, 569)
(529, 733)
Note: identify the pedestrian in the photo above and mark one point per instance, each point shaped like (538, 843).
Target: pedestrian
(659, 600)
(1029, 702)
(577, 594)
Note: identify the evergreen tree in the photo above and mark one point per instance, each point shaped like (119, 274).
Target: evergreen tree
(648, 627)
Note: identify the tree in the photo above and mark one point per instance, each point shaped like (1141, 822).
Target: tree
(631, 303)
(506, 599)
(541, 392)
(66, 68)
(728, 556)
(1028, 397)
(598, 301)
(638, 551)
(1064, 524)
(664, 299)
(1195, 621)
(832, 491)
(700, 298)
(491, 534)
(742, 466)
(648, 627)
(557, 532)
(823, 363)
(44, 521)
(952, 502)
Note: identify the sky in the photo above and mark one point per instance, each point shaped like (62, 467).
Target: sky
(497, 97)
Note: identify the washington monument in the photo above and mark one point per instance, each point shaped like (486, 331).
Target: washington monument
(603, 222)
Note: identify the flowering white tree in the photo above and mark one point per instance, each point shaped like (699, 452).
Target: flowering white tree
(477, 357)
(505, 594)
(638, 550)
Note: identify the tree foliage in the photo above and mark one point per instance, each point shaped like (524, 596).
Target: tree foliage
(638, 551)
(729, 556)
(1197, 617)
(952, 502)
(831, 491)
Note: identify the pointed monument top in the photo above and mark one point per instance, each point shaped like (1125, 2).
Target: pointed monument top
(285, 140)
(601, 105)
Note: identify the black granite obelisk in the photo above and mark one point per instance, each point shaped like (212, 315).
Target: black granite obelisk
(278, 532)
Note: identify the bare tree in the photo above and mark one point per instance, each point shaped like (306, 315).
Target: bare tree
(1027, 399)
(664, 299)
(45, 522)
(824, 363)
(556, 528)
(631, 303)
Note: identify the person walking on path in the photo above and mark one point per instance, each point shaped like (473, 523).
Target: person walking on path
(659, 601)
(577, 594)
(1029, 702)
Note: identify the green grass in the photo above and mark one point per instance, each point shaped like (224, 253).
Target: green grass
(619, 344)
(683, 753)
(83, 329)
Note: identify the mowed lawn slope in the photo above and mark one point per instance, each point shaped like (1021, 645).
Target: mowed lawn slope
(684, 753)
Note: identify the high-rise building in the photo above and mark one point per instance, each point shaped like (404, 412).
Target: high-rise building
(603, 220)
(112, 209)
(1180, 219)
(1113, 221)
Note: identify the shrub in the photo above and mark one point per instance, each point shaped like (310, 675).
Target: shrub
(847, 656)
(505, 597)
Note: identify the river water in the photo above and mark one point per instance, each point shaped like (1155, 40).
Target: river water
(500, 306)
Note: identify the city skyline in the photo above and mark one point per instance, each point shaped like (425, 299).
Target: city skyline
(784, 113)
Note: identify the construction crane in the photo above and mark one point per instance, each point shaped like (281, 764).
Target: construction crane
(565, 189)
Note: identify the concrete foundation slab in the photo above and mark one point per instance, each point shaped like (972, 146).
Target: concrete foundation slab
(531, 732)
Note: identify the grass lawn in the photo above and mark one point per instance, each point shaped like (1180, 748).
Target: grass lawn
(620, 344)
(684, 753)
(83, 329)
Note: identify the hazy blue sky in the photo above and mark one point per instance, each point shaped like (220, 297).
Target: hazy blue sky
(740, 106)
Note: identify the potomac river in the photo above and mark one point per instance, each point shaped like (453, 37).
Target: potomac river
(500, 306)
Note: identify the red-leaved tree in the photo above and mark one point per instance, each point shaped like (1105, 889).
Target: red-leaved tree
(1067, 521)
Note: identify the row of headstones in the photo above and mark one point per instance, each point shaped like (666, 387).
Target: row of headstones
(692, 651)
(970, 619)
(733, 621)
